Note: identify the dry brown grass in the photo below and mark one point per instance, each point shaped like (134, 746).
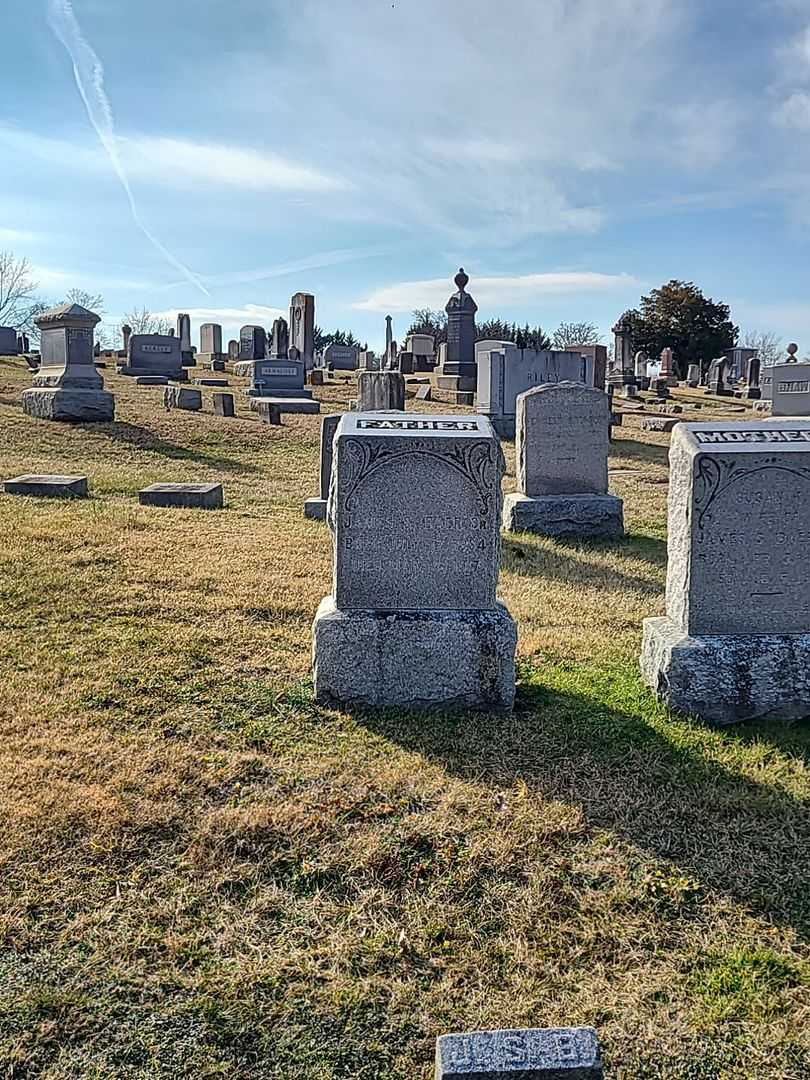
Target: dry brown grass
(205, 875)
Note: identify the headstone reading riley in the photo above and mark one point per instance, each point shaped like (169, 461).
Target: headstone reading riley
(413, 620)
(67, 385)
(154, 354)
(562, 474)
(735, 641)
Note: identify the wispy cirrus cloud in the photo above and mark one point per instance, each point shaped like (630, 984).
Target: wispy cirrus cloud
(505, 291)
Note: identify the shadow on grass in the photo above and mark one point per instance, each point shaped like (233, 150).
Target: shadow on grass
(655, 783)
(143, 439)
(562, 561)
(648, 453)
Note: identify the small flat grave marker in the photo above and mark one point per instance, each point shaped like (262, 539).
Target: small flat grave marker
(527, 1054)
(194, 496)
(55, 487)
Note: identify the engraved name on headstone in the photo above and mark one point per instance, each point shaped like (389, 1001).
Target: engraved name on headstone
(527, 1054)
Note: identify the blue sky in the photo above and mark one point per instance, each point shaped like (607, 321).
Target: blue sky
(570, 154)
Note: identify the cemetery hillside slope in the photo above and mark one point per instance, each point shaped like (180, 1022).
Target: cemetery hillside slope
(205, 874)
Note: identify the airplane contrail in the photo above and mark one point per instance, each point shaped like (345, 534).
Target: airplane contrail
(309, 262)
(88, 72)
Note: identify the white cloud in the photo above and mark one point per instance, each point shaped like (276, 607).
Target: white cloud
(794, 112)
(490, 291)
(183, 163)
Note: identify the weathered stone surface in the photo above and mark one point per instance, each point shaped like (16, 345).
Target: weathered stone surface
(9, 344)
(658, 423)
(341, 357)
(380, 390)
(727, 679)
(739, 518)
(316, 377)
(523, 1054)
(415, 659)
(154, 354)
(459, 358)
(414, 504)
(211, 338)
(790, 389)
(79, 405)
(564, 515)
(151, 380)
(505, 372)
(277, 377)
(211, 361)
(211, 382)
(193, 496)
(252, 343)
(56, 487)
(302, 326)
(269, 412)
(181, 397)
(286, 404)
(316, 508)
(562, 440)
(424, 393)
(223, 405)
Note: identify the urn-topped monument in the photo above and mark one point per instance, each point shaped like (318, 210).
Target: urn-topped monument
(459, 371)
(67, 385)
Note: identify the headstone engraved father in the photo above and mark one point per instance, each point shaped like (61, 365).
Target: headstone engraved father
(735, 641)
(414, 508)
(522, 1054)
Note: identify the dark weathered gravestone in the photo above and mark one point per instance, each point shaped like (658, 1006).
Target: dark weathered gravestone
(269, 411)
(717, 378)
(233, 350)
(302, 326)
(184, 337)
(316, 377)
(414, 507)
(252, 343)
(56, 487)
(341, 357)
(67, 385)
(224, 405)
(151, 380)
(735, 642)
(154, 354)
(522, 1054)
(622, 370)
(380, 390)
(280, 339)
(8, 341)
(461, 309)
(316, 508)
(187, 496)
(181, 397)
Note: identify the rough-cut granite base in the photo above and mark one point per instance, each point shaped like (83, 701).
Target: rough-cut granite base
(725, 679)
(564, 515)
(315, 509)
(287, 405)
(47, 403)
(415, 659)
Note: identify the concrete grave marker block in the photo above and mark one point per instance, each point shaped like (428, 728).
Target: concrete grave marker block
(522, 1054)
(380, 390)
(223, 405)
(55, 487)
(181, 397)
(735, 641)
(186, 496)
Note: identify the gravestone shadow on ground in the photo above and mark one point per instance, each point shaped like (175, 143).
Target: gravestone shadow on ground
(143, 439)
(562, 561)
(744, 839)
(648, 453)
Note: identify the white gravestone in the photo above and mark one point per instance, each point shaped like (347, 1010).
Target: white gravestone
(735, 642)
(790, 389)
(414, 508)
(562, 438)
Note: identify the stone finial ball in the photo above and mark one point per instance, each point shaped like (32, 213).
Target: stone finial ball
(461, 279)
(793, 348)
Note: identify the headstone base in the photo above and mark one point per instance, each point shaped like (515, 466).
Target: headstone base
(54, 487)
(151, 380)
(55, 403)
(726, 679)
(415, 659)
(564, 515)
(181, 397)
(315, 509)
(212, 361)
(287, 404)
(457, 382)
(278, 392)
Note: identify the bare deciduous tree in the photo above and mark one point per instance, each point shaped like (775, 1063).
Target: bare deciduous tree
(144, 321)
(569, 334)
(17, 292)
(768, 345)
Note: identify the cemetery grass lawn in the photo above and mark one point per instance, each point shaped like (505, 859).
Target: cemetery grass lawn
(203, 874)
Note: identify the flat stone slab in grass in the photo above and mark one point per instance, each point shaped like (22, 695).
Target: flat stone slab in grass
(288, 405)
(195, 496)
(151, 380)
(564, 515)
(211, 382)
(523, 1054)
(55, 487)
(315, 509)
(180, 397)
